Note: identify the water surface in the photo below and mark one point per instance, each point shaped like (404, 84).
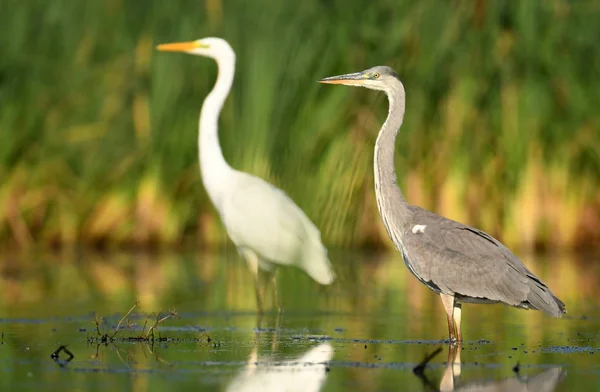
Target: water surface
(365, 332)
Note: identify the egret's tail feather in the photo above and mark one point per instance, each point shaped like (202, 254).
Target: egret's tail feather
(317, 266)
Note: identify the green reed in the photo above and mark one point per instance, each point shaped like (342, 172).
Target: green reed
(98, 130)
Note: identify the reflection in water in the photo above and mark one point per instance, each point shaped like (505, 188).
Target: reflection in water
(306, 373)
(545, 381)
(364, 283)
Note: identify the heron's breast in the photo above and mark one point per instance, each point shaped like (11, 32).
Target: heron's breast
(411, 268)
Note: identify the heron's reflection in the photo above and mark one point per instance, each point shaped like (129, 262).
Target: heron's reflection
(545, 381)
(305, 373)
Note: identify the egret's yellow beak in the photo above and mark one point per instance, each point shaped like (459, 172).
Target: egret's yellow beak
(181, 46)
(350, 79)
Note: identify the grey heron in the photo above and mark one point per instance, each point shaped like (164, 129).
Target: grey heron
(451, 379)
(268, 229)
(459, 262)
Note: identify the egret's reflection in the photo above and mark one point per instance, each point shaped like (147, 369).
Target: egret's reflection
(305, 373)
(545, 381)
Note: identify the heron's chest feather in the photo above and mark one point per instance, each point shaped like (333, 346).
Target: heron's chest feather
(413, 269)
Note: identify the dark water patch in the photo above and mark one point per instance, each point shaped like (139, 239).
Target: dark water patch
(374, 365)
(388, 341)
(570, 349)
(46, 320)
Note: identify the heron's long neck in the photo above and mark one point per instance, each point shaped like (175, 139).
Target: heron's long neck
(215, 170)
(390, 201)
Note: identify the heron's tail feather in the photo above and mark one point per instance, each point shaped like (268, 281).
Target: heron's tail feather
(316, 264)
(561, 305)
(543, 299)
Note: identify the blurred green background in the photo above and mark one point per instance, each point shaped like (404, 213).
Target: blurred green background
(98, 131)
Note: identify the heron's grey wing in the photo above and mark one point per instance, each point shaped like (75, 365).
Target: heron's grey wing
(462, 260)
(442, 258)
(546, 381)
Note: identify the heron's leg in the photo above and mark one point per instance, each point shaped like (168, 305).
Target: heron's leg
(457, 315)
(454, 358)
(457, 347)
(448, 301)
(447, 381)
(453, 368)
(252, 260)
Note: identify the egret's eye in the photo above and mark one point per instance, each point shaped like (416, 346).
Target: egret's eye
(376, 75)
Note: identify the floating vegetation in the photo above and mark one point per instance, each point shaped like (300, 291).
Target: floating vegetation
(149, 332)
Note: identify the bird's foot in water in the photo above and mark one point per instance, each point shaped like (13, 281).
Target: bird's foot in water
(453, 341)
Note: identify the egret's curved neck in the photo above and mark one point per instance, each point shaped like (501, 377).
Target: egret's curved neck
(390, 201)
(215, 170)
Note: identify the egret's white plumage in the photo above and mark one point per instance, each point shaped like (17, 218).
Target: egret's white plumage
(307, 373)
(261, 220)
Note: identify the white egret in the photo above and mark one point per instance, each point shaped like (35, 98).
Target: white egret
(266, 226)
(306, 373)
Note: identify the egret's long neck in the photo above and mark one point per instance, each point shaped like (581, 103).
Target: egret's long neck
(390, 201)
(215, 170)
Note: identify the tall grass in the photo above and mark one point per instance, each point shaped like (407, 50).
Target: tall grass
(98, 131)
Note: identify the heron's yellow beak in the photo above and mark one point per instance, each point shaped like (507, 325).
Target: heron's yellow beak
(181, 46)
(352, 79)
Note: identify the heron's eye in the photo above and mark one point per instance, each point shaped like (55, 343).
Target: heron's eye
(376, 75)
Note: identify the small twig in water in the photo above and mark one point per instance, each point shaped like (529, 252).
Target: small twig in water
(98, 321)
(158, 321)
(157, 357)
(135, 305)
(146, 335)
(420, 368)
(144, 327)
(56, 356)
(127, 357)
(215, 343)
(95, 356)
(207, 336)
(517, 368)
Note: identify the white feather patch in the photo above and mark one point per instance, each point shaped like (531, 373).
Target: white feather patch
(418, 229)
